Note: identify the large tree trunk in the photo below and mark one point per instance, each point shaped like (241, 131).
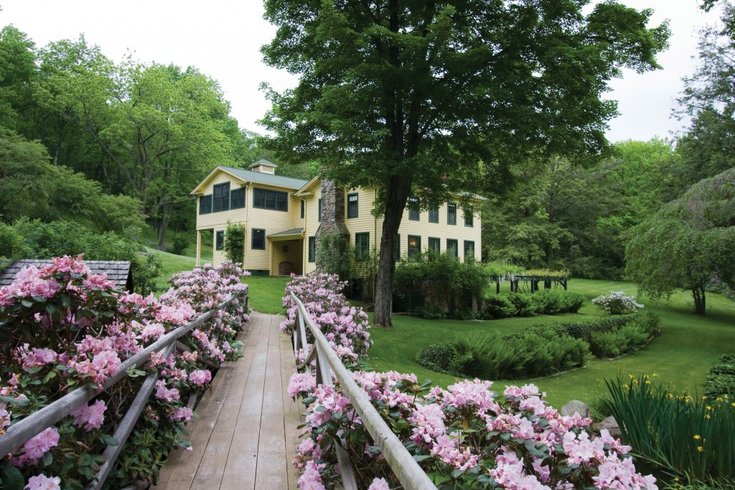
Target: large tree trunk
(162, 227)
(397, 192)
(699, 299)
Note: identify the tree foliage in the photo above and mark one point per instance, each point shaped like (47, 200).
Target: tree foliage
(688, 243)
(392, 94)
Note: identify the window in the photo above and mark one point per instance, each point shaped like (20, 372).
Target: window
(435, 245)
(221, 197)
(414, 246)
(468, 218)
(413, 209)
(352, 205)
(452, 248)
(397, 248)
(220, 240)
(469, 249)
(257, 239)
(451, 213)
(434, 214)
(303, 204)
(237, 198)
(312, 249)
(267, 199)
(205, 204)
(319, 210)
(362, 246)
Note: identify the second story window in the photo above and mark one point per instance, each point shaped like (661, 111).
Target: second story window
(237, 198)
(434, 214)
(413, 209)
(268, 199)
(303, 204)
(205, 204)
(221, 197)
(319, 210)
(469, 218)
(352, 200)
(451, 213)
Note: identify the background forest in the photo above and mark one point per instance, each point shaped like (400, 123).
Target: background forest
(115, 149)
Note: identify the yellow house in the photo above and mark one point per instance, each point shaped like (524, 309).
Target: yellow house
(281, 216)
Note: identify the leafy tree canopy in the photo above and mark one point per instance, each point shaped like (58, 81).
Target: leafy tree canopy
(438, 97)
(688, 243)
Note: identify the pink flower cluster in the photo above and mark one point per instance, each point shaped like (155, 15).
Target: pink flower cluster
(43, 482)
(90, 417)
(89, 330)
(464, 431)
(346, 327)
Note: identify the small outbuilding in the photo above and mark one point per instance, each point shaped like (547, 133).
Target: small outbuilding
(117, 271)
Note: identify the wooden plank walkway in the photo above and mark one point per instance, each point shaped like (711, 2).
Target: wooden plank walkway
(245, 435)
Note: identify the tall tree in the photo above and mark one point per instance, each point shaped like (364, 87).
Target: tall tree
(17, 77)
(708, 146)
(435, 97)
(688, 243)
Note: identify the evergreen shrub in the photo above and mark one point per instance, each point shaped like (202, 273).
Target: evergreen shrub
(721, 378)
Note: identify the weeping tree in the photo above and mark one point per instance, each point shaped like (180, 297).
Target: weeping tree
(431, 98)
(688, 243)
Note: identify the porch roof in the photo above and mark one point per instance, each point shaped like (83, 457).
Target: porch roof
(290, 234)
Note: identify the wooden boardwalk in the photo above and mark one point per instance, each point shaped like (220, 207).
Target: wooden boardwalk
(245, 434)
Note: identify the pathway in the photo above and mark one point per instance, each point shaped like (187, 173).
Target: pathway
(244, 436)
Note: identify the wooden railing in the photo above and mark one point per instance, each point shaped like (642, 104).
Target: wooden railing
(406, 469)
(20, 432)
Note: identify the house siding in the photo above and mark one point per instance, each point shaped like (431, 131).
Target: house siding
(274, 221)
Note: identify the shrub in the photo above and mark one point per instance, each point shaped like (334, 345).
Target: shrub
(525, 354)
(442, 358)
(447, 284)
(614, 343)
(553, 302)
(496, 306)
(721, 378)
(235, 243)
(617, 303)
(464, 436)
(64, 327)
(523, 303)
(684, 436)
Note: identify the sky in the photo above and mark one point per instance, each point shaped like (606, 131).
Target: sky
(223, 40)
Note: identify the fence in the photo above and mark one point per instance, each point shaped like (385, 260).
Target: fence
(23, 430)
(406, 469)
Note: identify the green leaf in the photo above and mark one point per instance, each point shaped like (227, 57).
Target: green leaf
(421, 457)
(26, 302)
(109, 440)
(48, 458)
(12, 479)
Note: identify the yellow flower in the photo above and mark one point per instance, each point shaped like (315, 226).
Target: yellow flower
(709, 407)
(707, 416)
(697, 437)
(700, 449)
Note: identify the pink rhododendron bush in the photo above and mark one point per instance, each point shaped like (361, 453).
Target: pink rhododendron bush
(63, 327)
(345, 326)
(465, 436)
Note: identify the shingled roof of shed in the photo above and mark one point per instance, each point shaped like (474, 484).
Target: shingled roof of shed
(118, 271)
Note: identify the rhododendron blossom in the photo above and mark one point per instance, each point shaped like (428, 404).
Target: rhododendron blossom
(43, 482)
(90, 417)
(37, 446)
(200, 377)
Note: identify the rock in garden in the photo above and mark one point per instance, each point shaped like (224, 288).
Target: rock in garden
(611, 425)
(575, 406)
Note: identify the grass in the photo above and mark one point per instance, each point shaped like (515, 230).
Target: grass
(689, 345)
(171, 264)
(266, 293)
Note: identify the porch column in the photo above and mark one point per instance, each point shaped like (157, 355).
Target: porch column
(199, 248)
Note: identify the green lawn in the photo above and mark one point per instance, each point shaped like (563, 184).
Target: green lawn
(266, 293)
(171, 265)
(688, 346)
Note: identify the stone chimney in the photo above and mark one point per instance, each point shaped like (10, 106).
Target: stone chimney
(332, 223)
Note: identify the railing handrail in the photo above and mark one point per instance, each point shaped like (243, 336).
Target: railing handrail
(23, 430)
(404, 466)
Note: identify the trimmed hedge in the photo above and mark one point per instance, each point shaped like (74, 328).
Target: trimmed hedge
(544, 302)
(721, 378)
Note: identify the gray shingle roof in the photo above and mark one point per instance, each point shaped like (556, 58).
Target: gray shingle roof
(267, 179)
(118, 271)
